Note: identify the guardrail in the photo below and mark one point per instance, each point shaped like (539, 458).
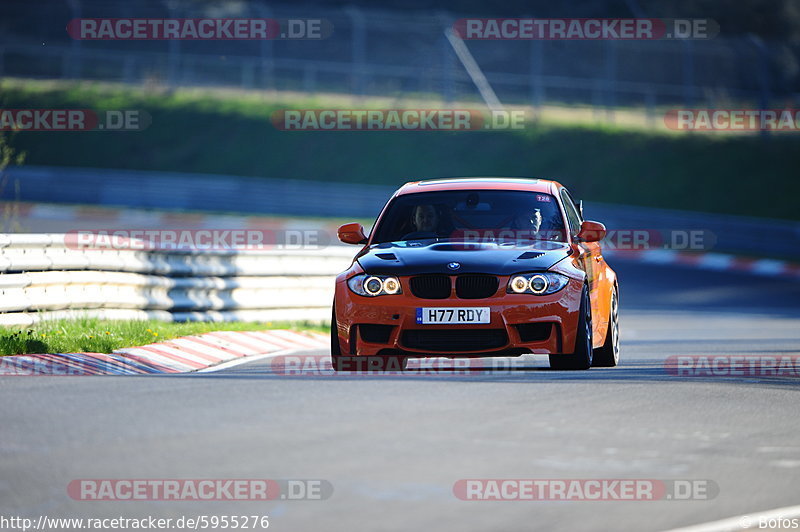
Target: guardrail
(739, 235)
(41, 277)
(200, 192)
(175, 190)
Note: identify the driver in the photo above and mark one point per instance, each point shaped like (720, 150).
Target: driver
(425, 218)
(426, 221)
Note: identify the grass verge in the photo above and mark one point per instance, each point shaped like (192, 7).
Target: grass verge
(224, 132)
(103, 336)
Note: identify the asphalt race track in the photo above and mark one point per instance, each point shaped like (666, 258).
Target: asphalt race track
(393, 447)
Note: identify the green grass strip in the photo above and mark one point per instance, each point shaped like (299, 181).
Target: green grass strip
(103, 336)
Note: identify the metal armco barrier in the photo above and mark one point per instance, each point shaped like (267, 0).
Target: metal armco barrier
(286, 197)
(203, 192)
(43, 278)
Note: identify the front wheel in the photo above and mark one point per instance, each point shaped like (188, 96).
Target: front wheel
(608, 355)
(581, 358)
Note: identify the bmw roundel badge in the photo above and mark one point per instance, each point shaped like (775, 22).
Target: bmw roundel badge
(454, 265)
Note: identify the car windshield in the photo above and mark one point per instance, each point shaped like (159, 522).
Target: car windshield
(472, 215)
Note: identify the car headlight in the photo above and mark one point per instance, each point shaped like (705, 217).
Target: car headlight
(540, 284)
(374, 285)
(518, 284)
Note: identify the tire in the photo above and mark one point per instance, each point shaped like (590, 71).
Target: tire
(608, 355)
(581, 358)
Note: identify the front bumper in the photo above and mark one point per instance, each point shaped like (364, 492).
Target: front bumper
(519, 323)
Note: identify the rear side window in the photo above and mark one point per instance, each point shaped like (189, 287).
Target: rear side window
(573, 219)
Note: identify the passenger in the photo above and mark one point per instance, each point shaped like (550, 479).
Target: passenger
(529, 224)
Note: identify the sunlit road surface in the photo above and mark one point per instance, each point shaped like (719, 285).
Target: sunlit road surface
(393, 447)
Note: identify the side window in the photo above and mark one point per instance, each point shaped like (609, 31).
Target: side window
(572, 213)
(572, 203)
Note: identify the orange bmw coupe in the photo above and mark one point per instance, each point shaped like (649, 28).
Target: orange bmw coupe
(476, 267)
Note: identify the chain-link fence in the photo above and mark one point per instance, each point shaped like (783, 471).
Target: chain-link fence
(374, 52)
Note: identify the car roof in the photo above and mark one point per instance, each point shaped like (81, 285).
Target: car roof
(480, 183)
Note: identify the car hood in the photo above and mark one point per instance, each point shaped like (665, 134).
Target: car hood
(417, 257)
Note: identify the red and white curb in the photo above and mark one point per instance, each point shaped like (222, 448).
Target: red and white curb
(204, 352)
(710, 261)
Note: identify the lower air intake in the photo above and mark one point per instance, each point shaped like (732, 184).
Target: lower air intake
(455, 340)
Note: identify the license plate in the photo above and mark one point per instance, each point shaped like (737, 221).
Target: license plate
(453, 315)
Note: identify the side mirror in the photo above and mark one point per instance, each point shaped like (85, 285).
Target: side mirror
(352, 234)
(592, 231)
